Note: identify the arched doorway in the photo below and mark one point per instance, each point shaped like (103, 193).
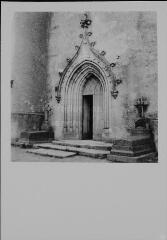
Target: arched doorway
(84, 92)
(92, 109)
(85, 96)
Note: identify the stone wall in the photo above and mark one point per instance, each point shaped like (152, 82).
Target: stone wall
(130, 40)
(44, 41)
(29, 67)
(25, 122)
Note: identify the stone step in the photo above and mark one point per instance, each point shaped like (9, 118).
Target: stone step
(89, 144)
(81, 151)
(51, 153)
(134, 148)
(131, 153)
(145, 158)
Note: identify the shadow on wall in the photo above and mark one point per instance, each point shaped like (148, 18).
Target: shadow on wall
(29, 70)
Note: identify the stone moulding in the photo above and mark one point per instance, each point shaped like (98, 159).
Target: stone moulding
(94, 57)
(72, 93)
(86, 61)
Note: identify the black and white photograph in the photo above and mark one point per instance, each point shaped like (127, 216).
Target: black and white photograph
(84, 120)
(84, 87)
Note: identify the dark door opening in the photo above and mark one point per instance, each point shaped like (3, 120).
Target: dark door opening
(87, 117)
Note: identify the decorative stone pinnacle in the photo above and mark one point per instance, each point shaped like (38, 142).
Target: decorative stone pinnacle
(93, 44)
(85, 23)
(89, 34)
(114, 93)
(76, 47)
(103, 53)
(81, 35)
(118, 81)
(68, 59)
(113, 64)
(58, 98)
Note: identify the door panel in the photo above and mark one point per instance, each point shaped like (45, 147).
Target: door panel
(97, 116)
(87, 118)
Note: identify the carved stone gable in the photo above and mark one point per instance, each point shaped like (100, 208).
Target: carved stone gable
(86, 57)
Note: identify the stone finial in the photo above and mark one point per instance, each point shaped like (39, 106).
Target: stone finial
(86, 22)
(114, 93)
(81, 35)
(102, 53)
(60, 74)
(76, 47)
(60, 71)
(118, 81)
(92, 44)
(68, 59)
(89, 34)
(58, 98)
(113, 64)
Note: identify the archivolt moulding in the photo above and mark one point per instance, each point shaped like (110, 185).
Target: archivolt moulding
(87, 56)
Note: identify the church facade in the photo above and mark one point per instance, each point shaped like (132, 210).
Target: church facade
(85, 91)
(101, 81)
(96, 89)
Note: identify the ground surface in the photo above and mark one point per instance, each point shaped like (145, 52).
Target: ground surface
(20, 155)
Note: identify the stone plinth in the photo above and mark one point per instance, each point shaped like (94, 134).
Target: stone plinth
(136, 148)
(31, 137)
(149, 157)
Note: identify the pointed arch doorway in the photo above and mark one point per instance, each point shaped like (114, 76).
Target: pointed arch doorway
(86, 102)
(84, 91)
(92, 109)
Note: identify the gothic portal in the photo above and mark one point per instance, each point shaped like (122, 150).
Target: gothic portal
(84, 91)
(84, 108)
(86, 103)
(93, 108)
(96, 80)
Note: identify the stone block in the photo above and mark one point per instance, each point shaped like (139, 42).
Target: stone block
(51, 153)
(36, 136)
(147, 158)
(80, 149)
(134, 149)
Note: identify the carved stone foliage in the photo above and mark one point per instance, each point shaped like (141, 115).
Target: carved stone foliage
(87, 56)
(86, 22)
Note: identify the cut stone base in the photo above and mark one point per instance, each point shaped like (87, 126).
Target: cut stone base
(31, 137)
(149, 157)
(137, 148)
(90, 144)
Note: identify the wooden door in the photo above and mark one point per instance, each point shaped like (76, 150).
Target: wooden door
(87, 118)
(97, 115)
